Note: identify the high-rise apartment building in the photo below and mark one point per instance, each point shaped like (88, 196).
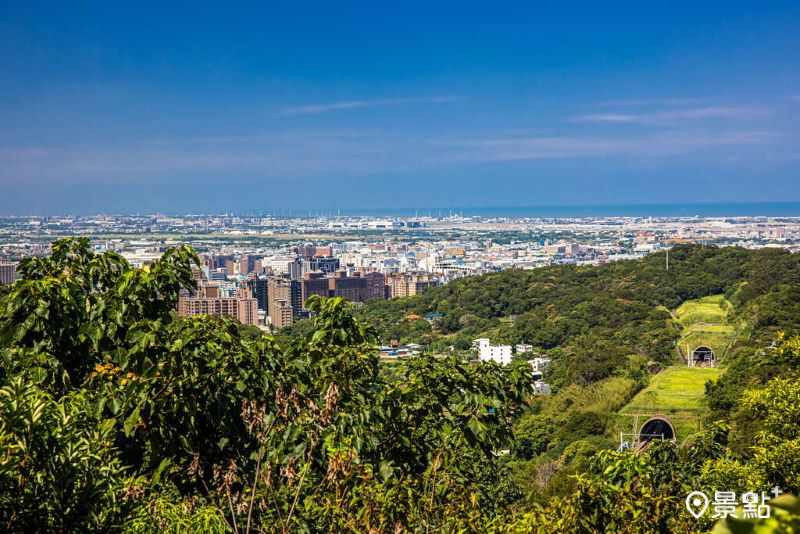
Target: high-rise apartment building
(218, 275)
(208, 301)
(8, 273)
(247, 264)
(376, 286)
(225, 262)
(279, 296)
(323, 251)
(353, 288)
(295, 268)
(408, 285)
(296, 291)
(281, 313)
(326, 264)
(307, 251)
(314, 284)
(356, 288)
(209, 265)
(279, 265)
(259, 289)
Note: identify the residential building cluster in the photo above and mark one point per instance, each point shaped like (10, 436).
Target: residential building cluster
(277, 261)
(272, 290)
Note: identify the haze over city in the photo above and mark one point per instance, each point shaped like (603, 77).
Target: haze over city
(197, 108)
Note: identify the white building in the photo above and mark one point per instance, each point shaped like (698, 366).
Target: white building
(496, 353)
(541, 388)
(278, 264)
(539, 363)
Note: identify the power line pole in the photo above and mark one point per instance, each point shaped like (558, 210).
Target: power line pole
(668, 259)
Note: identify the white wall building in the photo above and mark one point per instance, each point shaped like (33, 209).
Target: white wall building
(541, 388)
(539, 364)
(496, 353)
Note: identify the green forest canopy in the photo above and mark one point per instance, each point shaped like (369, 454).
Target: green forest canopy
(116, 415)
(598, 316)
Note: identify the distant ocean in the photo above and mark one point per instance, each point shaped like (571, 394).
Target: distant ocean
(726, 209)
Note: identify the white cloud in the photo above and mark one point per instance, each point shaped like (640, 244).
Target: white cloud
(319, 154)
(606, 117)
(664, 144)
(653, 102)
(355, 104)
(668, 116)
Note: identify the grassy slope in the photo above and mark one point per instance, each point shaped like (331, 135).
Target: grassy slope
(713, 309)
(705, 322)
(679, 391)
(674, 389)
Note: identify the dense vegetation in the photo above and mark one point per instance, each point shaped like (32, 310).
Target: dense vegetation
(116, 415)
(594, 318)
(608, 328)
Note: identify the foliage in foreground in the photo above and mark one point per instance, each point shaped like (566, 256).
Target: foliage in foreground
(115, 415)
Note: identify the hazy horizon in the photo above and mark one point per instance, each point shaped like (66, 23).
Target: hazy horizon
(789, 209)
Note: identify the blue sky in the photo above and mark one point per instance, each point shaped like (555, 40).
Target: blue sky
(202, 106)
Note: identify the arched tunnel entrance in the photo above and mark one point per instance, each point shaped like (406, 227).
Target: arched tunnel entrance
(656, 428)
(702, 356)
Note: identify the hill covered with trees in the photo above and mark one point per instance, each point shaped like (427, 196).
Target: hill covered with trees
(593, 318)
(608, 329)
(116, 415)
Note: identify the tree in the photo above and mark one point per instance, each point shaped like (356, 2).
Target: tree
(120, 413)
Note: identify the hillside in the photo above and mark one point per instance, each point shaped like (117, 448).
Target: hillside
(607, 328)
(677, 393)
(705, 322)
(594, 318)
(675, 389)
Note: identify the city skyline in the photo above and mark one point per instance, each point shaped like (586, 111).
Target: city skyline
(107, 109)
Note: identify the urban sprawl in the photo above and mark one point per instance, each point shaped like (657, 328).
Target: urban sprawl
(262, 269)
